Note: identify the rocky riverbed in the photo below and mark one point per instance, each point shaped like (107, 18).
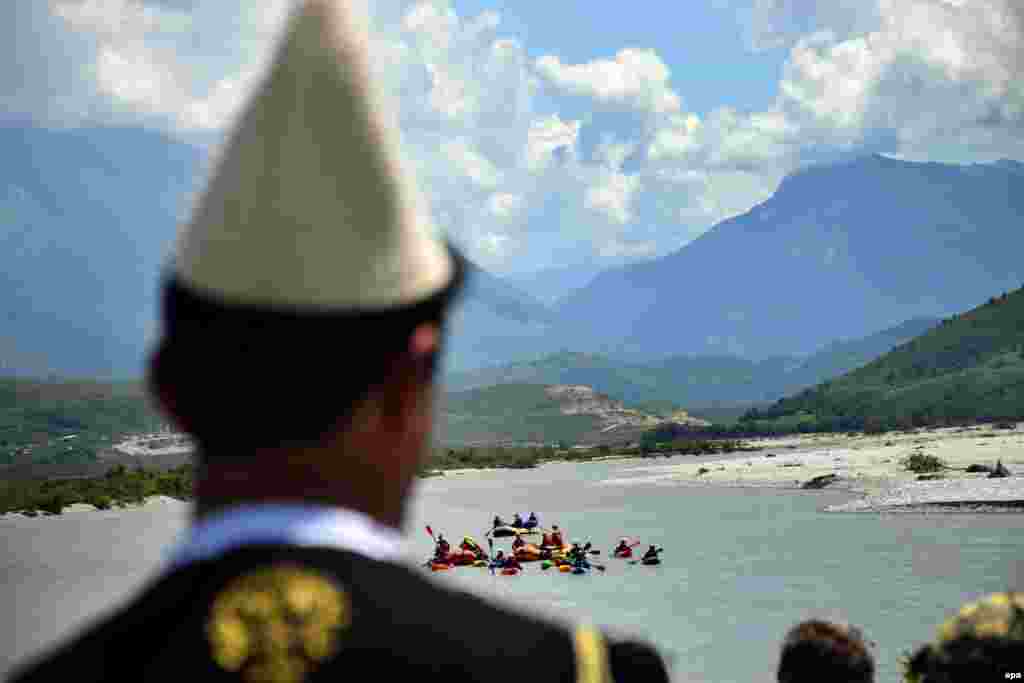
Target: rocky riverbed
(872, 468)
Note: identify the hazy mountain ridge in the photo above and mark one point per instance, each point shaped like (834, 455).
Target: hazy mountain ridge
(693, 382)
(837, 251)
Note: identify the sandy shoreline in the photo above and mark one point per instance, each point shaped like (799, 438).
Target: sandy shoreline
(869, 467)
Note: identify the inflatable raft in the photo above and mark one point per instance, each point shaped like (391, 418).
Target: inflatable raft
(462, 558)
(509, 531)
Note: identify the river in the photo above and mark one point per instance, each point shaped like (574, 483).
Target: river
(740, 565)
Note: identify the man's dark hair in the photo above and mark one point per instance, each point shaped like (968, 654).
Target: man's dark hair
(244, 377)
(815, 651)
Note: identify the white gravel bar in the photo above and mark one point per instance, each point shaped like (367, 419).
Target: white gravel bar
(869, 467)
(971, 494)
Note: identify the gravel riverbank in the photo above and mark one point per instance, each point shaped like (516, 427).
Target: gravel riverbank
(870, 467)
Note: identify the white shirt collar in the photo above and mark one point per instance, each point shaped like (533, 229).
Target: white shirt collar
(287, 524)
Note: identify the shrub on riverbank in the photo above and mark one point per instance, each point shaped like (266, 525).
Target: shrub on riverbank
(922, 463)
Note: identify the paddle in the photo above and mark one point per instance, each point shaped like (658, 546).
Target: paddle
(490, 542)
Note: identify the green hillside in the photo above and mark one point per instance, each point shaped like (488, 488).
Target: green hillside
(65, 422)
(508, 412)
(969, 367)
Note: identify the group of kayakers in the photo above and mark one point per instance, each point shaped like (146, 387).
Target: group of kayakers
(552, 550)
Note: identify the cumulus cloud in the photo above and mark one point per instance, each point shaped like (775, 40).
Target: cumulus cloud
(612, 196)
(513, 167)
(934, 79)
(634, 78)
(504, 204)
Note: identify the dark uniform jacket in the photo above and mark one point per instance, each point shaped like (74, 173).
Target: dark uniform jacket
(282, 613)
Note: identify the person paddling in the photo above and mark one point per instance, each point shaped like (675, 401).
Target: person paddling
(578, 555)
(518, 543)
(532, 522)
(518, 521)
(652, 553)
(443, 547)
(470, 545)
(556, 537)
(498, 521)
(623, 549)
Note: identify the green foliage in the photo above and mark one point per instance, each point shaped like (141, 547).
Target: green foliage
(486, 458)
(921, 463)
(510, 413)
(968, 369)
(118, 487)
(68, 422)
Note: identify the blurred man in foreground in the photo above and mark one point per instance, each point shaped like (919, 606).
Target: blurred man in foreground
(303, 318)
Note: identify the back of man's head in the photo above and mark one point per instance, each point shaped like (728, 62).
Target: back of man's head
(983, 641)
(815, 651)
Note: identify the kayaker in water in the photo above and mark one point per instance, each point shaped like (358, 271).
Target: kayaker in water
(578, 555)
(556, 537)
(440, 555)
(518, 543)
(498, 521)
(623, 548)
(443, 547)
(576, 551)
(518, 521)
(532, 522)
(499, 559)
(471, 545)
(652, 553)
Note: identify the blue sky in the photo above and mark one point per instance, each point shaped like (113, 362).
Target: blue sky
(550, 134)
(711, 59)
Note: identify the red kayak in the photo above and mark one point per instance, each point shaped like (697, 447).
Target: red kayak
(509, 571)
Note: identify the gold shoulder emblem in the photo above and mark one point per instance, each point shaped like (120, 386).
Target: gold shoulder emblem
(277, 624)
(592, 665)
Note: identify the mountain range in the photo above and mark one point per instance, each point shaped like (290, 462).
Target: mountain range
(88, 217)
(837, 251)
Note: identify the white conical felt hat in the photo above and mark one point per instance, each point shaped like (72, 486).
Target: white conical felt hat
(309, 207)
